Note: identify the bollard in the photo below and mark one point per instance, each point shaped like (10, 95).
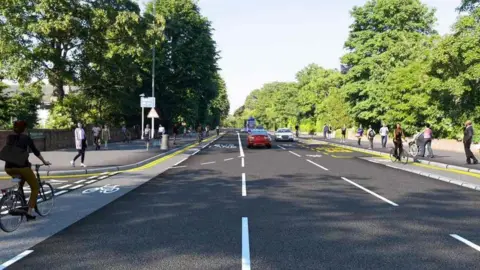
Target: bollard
(164, 142)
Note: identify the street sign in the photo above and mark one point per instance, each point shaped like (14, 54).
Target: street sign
(147, 102)
(153, 113)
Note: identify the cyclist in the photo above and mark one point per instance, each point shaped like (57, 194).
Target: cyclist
(23, 141)
(296, 131)
(397, 141)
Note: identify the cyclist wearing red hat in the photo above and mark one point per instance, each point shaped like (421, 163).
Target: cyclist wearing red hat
(24, 142)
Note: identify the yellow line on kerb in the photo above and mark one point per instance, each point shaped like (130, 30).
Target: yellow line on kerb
(386, 156)
(146, 166)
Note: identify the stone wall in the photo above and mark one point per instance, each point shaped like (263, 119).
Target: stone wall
(49, 139)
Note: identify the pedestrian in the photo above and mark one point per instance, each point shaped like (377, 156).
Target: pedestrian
(199, 133)
(370, 135)
(329, 132)
(384, 135)
(207, 130)
(125, 134)
(325, 131)
(80, 145)
(218, 130)
(344, 133)
(359, 134)
(161, 131)
(147, 133)
(175, 134)
(296, 130)
(184, 131)
(106, 135)
(397, 141)
(467, 142)
(428, 136)
(96, 130)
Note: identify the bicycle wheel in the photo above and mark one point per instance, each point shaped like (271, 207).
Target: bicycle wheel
(413, 150)
(404, 157)
(11, 202)
(393, 158)
(45, 200)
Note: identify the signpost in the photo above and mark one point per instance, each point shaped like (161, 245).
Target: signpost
(153, 114)
(146, 102)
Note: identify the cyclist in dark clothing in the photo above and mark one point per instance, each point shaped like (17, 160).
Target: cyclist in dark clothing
(397, 141)
(25, 171)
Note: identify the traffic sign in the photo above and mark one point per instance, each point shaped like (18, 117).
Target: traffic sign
(147, 102)
(153, 113)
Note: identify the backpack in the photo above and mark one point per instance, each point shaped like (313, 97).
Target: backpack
(371, 133)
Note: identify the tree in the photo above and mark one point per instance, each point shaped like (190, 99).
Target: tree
(469, 5)
(24, 103)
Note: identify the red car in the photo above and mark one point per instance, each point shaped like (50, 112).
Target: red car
(259, 138)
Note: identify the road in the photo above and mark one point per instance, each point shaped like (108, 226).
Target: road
(289, 207)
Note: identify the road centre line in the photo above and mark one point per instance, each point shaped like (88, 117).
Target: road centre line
(180, 162)
(465, 241)
(227, 159)
(15, 259)
(281, 147)
(320, 166)
(205, 163)
(244, 185)
(369, 191)
(242, 154)
(243, 162)
(293, 153)
(245, 245)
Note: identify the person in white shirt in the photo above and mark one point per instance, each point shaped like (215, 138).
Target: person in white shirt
(161, 131)
(106, 135)
(80, 145)
(96, 136)
(384, 135)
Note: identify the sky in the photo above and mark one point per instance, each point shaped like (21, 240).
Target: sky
(262, 41)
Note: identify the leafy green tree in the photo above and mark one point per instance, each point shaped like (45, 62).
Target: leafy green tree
(24, 103)
(4, 112)
(469, 5)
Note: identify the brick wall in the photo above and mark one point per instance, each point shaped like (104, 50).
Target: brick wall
(60, 139)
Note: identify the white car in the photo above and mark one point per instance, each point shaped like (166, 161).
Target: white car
(284, 134)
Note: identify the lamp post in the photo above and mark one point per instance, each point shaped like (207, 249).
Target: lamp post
(143, 116)
(153, 69)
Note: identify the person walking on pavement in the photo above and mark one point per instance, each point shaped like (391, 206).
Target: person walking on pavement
(397, 141)
(147, 133)
(161, 131)
(126, 137)
(80, 145)
(359, 134)
(199, 133)
(467, 142)
(218, 130)
(175, 134)
(371, 135)
(325, 131)
(106, 135)
(96, 130)
(427, 136)
(17, 164)
(296, 130)
(384, 135)
(344, 133)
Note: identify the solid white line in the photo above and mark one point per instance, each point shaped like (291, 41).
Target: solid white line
(80, 181)
(211, 162)
(242, 154)
(281, 147)
(293, 153)
(227, 159)
(320, 166)
(465, 241)
(244, 185)
(176, 167)
(91, 181)
(180, 162)
(243, 162)
(371, 192)
(62, 187)
(77, 186)
(15, 259)
(245, 245)
(61, 192)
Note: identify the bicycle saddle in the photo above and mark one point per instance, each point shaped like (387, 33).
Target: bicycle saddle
(16, 179)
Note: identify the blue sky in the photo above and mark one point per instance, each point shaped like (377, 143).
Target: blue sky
(271, 40)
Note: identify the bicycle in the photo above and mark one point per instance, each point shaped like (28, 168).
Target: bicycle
(413, 148)
(14, 200)
(403, 158)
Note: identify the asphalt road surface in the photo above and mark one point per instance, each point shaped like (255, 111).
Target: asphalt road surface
(289, 207)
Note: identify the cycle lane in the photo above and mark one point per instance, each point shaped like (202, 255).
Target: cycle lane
(177, 216)
(77, 205)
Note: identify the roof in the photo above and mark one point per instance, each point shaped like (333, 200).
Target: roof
(47, 91)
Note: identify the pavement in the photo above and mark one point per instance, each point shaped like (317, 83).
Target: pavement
(440, 156)
(117, 155)
(222, 206)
